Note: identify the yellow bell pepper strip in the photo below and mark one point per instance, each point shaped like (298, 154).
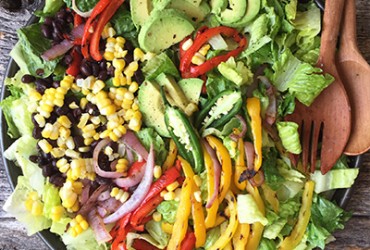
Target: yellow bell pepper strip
(212, 211)
(254, 111)
(171, 157)
(182, 215)
(197, 208)
(241, 235)
(270, 197)
(226, 165)
(219, 220)
(257, 228)
(240, 166)
(228, 234)
(291, 241)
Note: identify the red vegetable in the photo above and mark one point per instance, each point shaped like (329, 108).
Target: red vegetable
(141, 212)
(143, 245)
(189, 71)
(105, 16)
(189, 241)
(120, 230)
(134, 176)
(77, 20)
(74, 68)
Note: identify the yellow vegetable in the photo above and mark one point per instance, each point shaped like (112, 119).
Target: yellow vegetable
(270, 196)
(254, 111)
(291, 241)
(240, 166)
(171, 157)
(241, 235)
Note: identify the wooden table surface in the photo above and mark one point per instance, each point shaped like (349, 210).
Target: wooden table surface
(356, 234)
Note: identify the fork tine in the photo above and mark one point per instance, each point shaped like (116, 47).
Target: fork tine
(306, 127)
(316, 127)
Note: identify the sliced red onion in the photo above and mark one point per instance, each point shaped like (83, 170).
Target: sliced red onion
(217, 173)
(110, 205)
(85, 192)
(271, 111)
(97, 225)
(139, 194)
(101, 211)
(91, 202)
(79, 12)
(249, 154)
(254, 84)
(236, 137)
(133, 143)
(104, 196)
(63, 47)
(129, 156)
(271, 130)
(132, 180)
(98, 170)
(57, 50)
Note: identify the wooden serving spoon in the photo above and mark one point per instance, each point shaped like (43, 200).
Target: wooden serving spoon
(330, 112)
(355, 73)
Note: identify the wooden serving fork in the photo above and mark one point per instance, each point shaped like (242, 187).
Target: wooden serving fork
(328, 119)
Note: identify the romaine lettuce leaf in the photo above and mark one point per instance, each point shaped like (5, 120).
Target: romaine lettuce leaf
(288, 133)
(155, 230)
(212, 236)
(248, 211)
(85, 239)
(149, 136)
(236, 72)
(335, 178)
(124, 26)
(15, 206)
(159, 64)
(168, 210)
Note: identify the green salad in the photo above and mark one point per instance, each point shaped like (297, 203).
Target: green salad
(161, 125)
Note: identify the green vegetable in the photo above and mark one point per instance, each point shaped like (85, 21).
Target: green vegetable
(288, 133)
(82, 5)
(52, 6)
(85, 239)
(124, 26)
(248, 211)
(155, 230)
(168, 210)
(336, 178)
(32, 45)
(159, 64)
(149, 136)
(236, 72)
(272, 176)
(212, 236)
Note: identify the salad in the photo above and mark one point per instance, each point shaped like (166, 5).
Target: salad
(160, 125)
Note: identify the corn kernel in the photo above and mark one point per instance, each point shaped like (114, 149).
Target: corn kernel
(83, 120)
(178, 194)
(72, 154)
(134, 86)
(204, 49)
(169, 196)
(40, 120)
(131, 68)
(111, 32)
(157, 171)
(45, 146)
(138, 54)
(70, 143)
(163, 193)
(57, 152)
(114, 192)
(167, 227)
(119, 64)
(64, 121)
(173, 186)
(88, 141)
(108, 110)
(109, 56)
(57, 213)
(157, 216)
(121, 40)
(198, 59)
(187, 44)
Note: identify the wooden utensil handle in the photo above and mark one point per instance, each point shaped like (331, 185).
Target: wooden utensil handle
(348, 32)
(331, 22)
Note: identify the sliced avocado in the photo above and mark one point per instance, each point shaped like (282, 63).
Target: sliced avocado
(192, 87)
(253, 8)
(196, 3)
(163, 29)
(140, 11)
(218, 5)
(195, 13)
(161, 4)
(152, 107)
(234, 13)
(173, 90)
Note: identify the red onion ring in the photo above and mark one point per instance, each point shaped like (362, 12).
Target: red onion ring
(104, 196)
(91, 202)
(110, 205)
(254, 84)
(133, 143)
(101, 211)
(85, 193)
(139, 194)
(249, 154)
(132, 180)
(236, 137)
(217, 173)
(271, 111)
(97, 225)
(270, 130)
(98, 170)
(129, 156)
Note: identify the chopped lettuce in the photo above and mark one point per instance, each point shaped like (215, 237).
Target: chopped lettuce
(269, 165)
(236, 72)
(155, 230)
(124, 26)
(248, 211)
(85, 239)
(301, 79)
(216, 83)
(212, 236)
(149, 136)
(335, 178)
(168, 210)
(32, 45)
(15, 206)
(288, 133)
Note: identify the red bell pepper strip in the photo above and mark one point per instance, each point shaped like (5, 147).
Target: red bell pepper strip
(135, 167)
(99, 7)
(189, 241)
(105, 16)
(77, 20)
(120, 225)
(145, 209)
(143, 245)
(188, 70)
(74, 68)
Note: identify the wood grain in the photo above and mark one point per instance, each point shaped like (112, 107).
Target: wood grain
(354, 236)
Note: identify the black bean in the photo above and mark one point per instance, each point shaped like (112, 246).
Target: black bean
(36, 133)
(79, 141)
(34, 158)
(129, 46)
(103, 65)
(103, 75)
(110, 71)
(87, 154)
(46, 31)
(57, 179)
(40, 72)
(103, 161)
(54, 163)
(71, 117)
(139, 76)
(101, 128)
(62, 110)
(68, 59)
(48, 21)
(41, 88)
(77, 113)
(69, 18)
(33, 119)
(53, 143)
(114, 146)
(47, 171)
(128, 58)
(57, 36)
(41, 81)
(28, 78)
(93, 144)
(95, 69)
(86, 69)
(53, 117)
(92, 109)
(61, 14)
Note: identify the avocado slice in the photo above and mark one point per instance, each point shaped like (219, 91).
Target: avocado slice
(195, 13)
(152, 107)
(163, 29)
(234, 13)
(218, 5)
(192, 87)
(196, 3)
(252, 10)
(140, 11)
(173, 90)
